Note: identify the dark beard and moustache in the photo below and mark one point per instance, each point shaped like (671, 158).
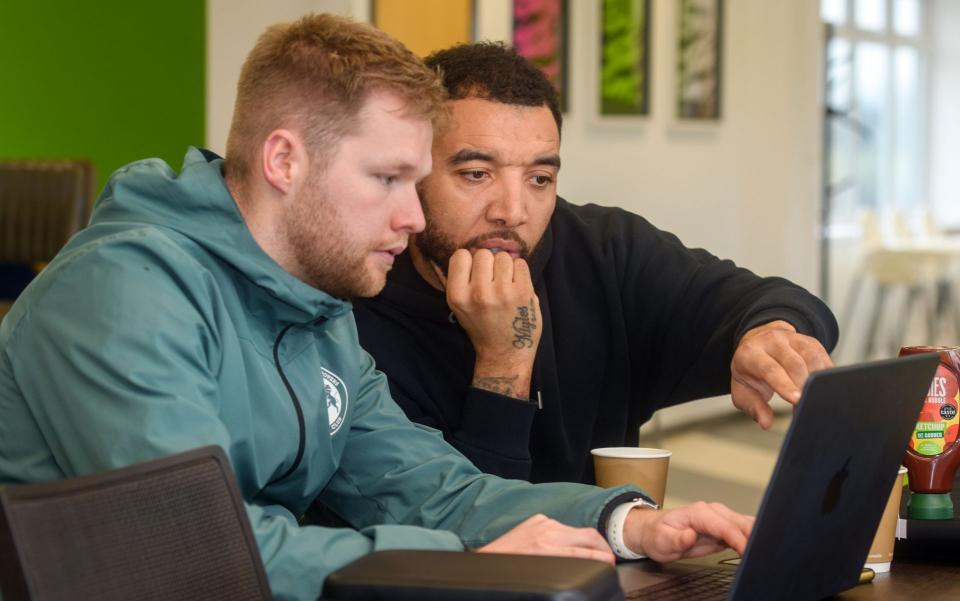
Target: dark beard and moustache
(437, 247)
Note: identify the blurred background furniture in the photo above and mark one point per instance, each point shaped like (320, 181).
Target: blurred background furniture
(914, 262)
(42, 204)
(173, 529)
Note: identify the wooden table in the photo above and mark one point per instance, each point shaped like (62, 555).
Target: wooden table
(908, 579)
(921, 571)
(911, 580)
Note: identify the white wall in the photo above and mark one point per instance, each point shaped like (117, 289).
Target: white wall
(746, 188)
(945, 134)
(233, 27)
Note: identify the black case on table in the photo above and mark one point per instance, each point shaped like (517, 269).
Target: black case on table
(459, 576)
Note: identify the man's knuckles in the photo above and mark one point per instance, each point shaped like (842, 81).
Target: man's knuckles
(767, 369)
(482, 296)
(749, 347)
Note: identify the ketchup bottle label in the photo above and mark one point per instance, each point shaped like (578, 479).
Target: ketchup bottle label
(937, 425)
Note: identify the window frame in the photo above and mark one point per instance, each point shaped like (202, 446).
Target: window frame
(891, 40)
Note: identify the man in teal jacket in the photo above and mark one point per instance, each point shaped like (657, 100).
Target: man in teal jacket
(208, 307)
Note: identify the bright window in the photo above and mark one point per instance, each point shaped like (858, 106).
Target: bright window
(906, 17)
(871, 14)
(876, 102)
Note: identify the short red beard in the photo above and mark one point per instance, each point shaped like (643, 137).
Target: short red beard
(330, 261)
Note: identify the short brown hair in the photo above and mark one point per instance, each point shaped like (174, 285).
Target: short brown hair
(313, 75)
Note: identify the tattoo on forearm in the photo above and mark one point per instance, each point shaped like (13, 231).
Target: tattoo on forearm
(524, 324)
(498, 384)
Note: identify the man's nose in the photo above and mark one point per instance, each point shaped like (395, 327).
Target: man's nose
(409, 215)
(509, 207)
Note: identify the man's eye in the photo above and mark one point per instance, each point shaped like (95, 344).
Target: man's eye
(474, 175)
(387, 180)
(542, 180)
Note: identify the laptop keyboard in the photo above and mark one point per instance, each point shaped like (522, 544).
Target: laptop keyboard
(707, 584)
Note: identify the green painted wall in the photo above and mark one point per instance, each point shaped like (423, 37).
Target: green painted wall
(109, 80)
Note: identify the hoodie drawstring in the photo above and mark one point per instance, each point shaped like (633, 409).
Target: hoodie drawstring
(296, 405)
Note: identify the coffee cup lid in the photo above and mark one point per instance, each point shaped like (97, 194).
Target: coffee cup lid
(631, 452)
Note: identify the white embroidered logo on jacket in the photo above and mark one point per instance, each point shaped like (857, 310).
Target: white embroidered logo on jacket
(335, 395)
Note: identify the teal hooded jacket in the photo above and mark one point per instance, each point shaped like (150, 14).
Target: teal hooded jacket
(163, 326)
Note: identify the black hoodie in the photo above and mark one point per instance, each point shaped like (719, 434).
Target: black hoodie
(633, 321)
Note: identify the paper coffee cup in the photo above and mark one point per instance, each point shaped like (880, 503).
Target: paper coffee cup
(642, 467)
(881, 551)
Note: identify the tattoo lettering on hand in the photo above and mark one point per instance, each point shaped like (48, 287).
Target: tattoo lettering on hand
(524, 324)
(498, 384)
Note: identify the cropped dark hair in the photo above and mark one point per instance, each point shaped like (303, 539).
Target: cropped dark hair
(492, 71)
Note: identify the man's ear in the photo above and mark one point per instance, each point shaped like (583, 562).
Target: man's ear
(284, 159)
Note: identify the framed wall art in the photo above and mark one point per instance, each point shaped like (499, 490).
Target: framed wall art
(540, 36)
(698, 74)
(625, 57)
(425, 26)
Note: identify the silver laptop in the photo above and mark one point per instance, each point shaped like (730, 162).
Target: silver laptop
(824, 501)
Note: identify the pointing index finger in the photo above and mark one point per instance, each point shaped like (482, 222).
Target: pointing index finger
(776, 377)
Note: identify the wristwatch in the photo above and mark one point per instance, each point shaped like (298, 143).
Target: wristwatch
(616, 523)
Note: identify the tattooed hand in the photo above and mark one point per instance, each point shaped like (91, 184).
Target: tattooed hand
(492, 297)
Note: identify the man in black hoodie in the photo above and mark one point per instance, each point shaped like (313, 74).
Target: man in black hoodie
(530, 330)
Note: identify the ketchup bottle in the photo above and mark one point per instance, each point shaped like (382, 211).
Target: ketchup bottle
(933, 454)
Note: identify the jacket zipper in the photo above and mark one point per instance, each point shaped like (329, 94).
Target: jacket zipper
(296, 405)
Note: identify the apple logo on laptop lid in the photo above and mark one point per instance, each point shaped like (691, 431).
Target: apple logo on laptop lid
(832, 494)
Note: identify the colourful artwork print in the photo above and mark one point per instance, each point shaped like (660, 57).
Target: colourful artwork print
(538, 35)
(624, 59)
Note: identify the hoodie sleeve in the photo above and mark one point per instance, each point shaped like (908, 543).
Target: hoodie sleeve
(124, 372)
(686, 310)
(494, 430)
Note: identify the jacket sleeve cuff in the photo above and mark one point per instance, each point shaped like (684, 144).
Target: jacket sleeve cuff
(497, 423)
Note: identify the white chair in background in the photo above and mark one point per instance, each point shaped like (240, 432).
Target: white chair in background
(895, 262)
(947, 248)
